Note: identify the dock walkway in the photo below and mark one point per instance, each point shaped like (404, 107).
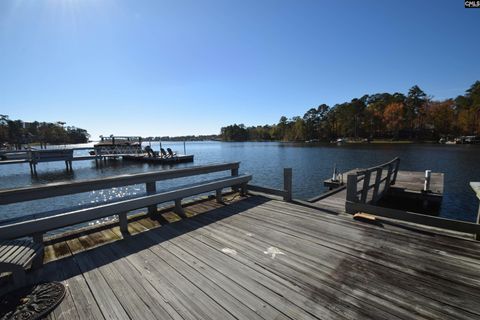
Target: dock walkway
(408, 182)
(257, 258)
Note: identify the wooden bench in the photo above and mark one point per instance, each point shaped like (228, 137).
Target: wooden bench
(16, 256)
(36, 228)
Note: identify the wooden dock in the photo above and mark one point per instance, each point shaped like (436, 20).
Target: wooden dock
(68, 159)
(248, 256)
(408, 184)
(181, 158)
(257, 258)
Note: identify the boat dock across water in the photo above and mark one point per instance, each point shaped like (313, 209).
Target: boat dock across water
(113, 147)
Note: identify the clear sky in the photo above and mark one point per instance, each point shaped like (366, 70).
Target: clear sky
(153, 67)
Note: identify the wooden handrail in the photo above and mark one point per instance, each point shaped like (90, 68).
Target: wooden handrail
(394, 160)
(42, 225)
(286, 193)
(365, 175)
(8, 196)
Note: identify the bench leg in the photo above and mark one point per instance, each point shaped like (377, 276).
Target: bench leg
(19, 278)
(243, 190)
(178, 208)
(123, 222)
(38, 260)
(218, 195)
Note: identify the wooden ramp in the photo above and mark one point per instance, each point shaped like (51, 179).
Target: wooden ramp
(258, 258)
(408, 183)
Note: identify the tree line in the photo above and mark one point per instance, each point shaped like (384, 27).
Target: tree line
(15, 133)
(414, 116)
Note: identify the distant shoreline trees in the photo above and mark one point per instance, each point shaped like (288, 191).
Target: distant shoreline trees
(414, 116)
(16, 133)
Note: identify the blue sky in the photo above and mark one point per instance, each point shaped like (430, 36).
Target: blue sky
(152, 67)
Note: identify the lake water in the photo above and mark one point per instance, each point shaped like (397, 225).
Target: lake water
(265, 160)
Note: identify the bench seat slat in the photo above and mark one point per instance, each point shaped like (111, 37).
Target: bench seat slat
(24, 257)
(11, 249)
(17, 251)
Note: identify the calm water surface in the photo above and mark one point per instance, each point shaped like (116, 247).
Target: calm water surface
(265, 160)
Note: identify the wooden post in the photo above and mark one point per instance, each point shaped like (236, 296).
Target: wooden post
(378, 177)
(477, 236)
(426, 185)
(397, 165)
(151, 189)
(178, 208)
(243, 189)
(123, 223)
(476, 188)
(352, 187)
(234, 173)
(287, 184)
(366, 186)
(389, 178)
(218, 195)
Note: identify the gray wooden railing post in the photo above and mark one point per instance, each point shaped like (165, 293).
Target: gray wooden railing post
(366, 186)
(287, 184)
(378, 177)
(352, 180)
(476, 188)
(151, 189)
(477, 236)
(389, 177)
(397, 165)
(352, 187)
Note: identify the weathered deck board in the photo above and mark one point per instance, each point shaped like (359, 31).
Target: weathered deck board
(317, 238)
(218, 264)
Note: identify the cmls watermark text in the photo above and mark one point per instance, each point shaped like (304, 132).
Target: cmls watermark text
(472, 4)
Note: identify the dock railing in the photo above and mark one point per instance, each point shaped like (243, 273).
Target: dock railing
(36, 228)
(285, 193)
(383, 177)
(476, 188)
(360, 199)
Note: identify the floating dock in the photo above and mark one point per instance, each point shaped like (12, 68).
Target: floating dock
(159, 160)
(51, 155)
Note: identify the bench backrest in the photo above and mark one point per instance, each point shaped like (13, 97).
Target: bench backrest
(51, 155)
(42, 225)
(72, 216)
(8, 196)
